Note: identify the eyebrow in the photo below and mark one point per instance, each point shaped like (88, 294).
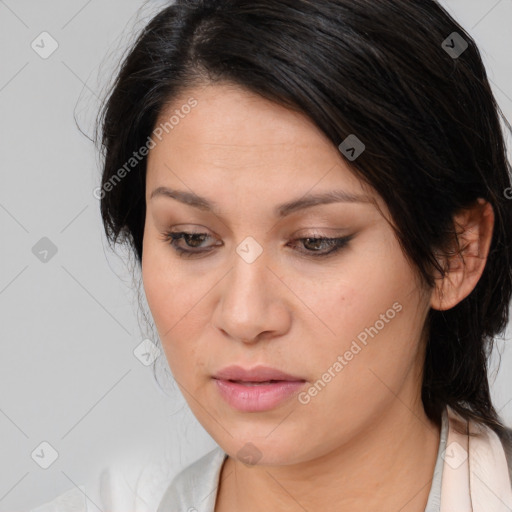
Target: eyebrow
(306, 201)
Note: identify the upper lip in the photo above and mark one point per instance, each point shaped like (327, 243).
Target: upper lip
(256, 374)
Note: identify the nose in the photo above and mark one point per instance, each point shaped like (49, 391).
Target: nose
(252, 303)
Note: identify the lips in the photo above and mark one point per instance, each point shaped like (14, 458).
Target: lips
(255, 383)
(257, 389)
(257, 375)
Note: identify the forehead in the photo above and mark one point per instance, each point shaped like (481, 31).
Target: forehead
(229, 121)
(235, 137)
(245, 117)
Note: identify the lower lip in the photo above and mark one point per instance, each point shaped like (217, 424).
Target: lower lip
(259, 397)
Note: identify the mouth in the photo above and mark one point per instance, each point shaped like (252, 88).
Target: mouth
(257, 383)
(256, 375)
(257, 389)
(257, 396)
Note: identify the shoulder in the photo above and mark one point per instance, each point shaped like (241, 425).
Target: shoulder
(490, 450)
(73, 500)
(194, 489)
(506, 440)
(498, 445)
(121, 487)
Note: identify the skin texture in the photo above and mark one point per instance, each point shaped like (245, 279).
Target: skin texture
(366, 429)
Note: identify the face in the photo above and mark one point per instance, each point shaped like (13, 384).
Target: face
(257, 274)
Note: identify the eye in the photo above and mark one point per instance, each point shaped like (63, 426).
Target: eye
(313, 245)
(192, 240)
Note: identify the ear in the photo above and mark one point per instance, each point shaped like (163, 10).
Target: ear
(465, 264)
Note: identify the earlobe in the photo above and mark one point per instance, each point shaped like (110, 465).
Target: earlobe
(465, 264)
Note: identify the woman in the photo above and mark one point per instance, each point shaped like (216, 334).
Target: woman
(316, 192)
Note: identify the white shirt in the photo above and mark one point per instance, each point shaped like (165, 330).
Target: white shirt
(121, 487)
(194, 489)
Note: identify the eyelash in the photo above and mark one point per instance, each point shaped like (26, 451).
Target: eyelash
(336, 243)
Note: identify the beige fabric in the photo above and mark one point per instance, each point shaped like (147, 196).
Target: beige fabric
(475, 472)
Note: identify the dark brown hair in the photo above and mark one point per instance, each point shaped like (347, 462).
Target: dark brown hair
(379, 70)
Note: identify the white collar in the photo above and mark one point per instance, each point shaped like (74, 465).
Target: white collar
(475, 470)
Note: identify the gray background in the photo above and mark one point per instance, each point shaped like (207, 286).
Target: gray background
(70, 325)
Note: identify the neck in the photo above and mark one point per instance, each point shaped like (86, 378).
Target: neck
(389, 465)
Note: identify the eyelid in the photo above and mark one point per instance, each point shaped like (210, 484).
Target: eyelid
(336, 244)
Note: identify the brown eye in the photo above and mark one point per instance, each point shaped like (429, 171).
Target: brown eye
(192, 240)
(314, 245)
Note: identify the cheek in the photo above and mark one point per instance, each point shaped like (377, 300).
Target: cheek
(158, 285)
(170, 293)
(163, 289)
(175, 304)
(367, 285)
(372, 318)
